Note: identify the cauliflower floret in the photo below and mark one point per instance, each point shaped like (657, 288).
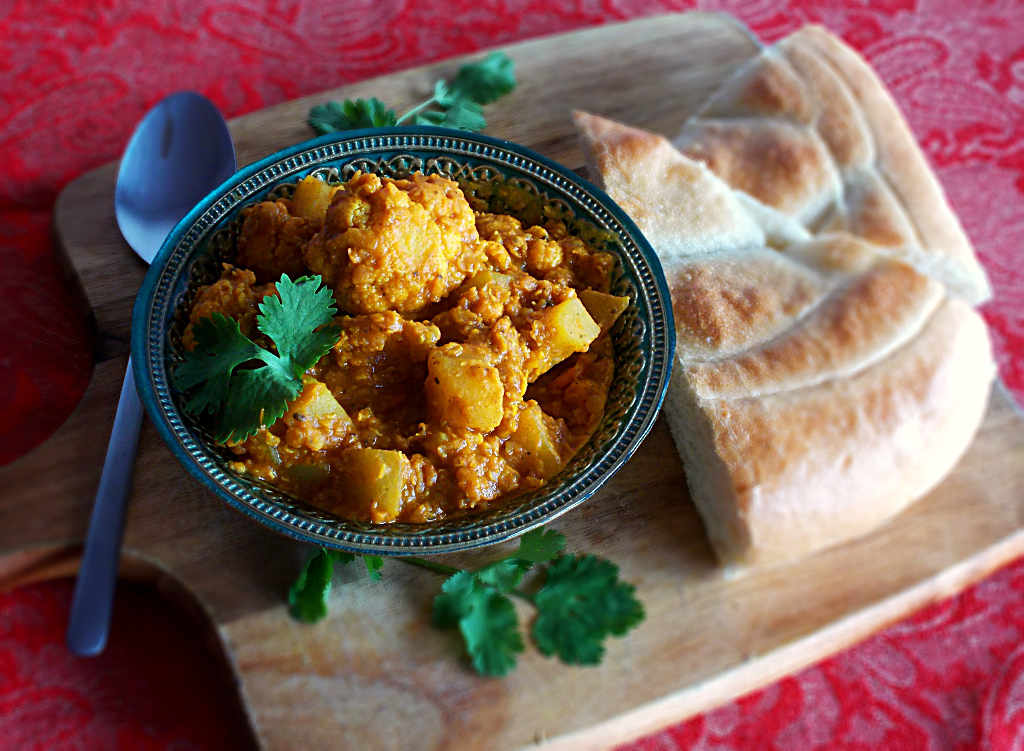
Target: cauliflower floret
(271, 241)
(235, 295)
(396, 244)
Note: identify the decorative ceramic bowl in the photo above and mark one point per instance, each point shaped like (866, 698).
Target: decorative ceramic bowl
(643, 338)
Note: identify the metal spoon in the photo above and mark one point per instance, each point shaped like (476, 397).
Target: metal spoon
(179, 152)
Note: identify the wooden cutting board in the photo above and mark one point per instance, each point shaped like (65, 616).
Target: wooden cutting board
(374, 674)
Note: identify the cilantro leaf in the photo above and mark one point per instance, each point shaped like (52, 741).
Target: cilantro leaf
(536, 546)
(307, 598)
(374, 563)
(291, 319)
(255, 398)
(486, 80)
(503, 574)
(350, 115)
(443, 95)
(581, 603)
(464, 114)
(455, 599)
(242, 400)
(220, 348)
(491, 632)
(540, 545)
(461, 102)
(486, 619)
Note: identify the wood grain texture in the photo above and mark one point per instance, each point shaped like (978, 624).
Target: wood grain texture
(374, 674)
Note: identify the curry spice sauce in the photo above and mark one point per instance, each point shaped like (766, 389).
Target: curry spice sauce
(473, 360)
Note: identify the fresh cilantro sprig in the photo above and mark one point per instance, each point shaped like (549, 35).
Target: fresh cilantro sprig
(243, 386)
(455, 104)
(579, 600)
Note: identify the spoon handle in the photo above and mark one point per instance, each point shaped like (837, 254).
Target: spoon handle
(94, 590)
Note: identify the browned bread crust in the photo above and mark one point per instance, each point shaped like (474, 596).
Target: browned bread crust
(782, 475)
(808, 130)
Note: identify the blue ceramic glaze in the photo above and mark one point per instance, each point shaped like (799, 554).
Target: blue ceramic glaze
(644, 337)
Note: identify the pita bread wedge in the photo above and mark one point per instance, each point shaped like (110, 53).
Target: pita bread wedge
(807, 130)
(677, 202)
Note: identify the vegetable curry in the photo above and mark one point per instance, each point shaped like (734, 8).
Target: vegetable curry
(472, 361)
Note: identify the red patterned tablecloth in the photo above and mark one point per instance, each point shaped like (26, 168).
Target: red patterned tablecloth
(76, 75)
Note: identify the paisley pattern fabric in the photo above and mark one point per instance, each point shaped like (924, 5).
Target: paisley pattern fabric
(77, 74)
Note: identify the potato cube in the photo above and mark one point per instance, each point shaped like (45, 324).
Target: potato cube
(537, 434)
(464, 389)
(316, 400)
(372, 482)
(605, 309)
(487, 276)
(305, 479)
(314, 419)
(569, 329)
(311, 198)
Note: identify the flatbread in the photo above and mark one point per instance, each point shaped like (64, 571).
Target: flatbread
(807, 130)
(860, 323)
(781, 475)
(830, 369)
(678, 202)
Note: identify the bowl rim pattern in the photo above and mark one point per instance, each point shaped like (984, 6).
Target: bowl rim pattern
(155, 299)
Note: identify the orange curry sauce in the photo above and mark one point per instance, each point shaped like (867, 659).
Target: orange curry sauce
(473, 359)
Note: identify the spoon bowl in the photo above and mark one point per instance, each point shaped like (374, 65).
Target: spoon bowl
(178, 153)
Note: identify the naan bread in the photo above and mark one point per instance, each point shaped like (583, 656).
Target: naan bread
(780, 475)
(807, 130)
(830, 369)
